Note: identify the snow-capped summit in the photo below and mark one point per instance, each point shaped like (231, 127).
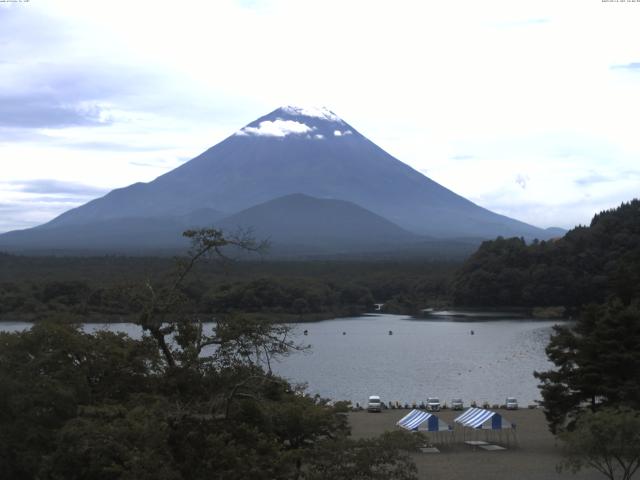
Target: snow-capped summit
(311, 123)
(314, 112)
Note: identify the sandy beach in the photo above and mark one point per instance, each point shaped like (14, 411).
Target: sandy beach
(533, 458)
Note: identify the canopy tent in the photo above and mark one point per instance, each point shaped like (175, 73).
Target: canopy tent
(418, 420)
(485, 420)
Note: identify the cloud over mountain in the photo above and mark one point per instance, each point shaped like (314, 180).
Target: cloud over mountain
(276, 128)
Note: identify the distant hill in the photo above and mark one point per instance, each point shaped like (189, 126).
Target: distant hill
(292, 150)
(315, 225)
(588, 265)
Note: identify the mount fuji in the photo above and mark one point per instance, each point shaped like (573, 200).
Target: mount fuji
(342, 187)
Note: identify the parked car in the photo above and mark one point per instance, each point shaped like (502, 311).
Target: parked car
(374, 404)
(511, 403)
(433, 404)
(456, 404)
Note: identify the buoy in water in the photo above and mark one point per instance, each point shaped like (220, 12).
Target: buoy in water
(471, 332)
(306, 332)
(390, 332)
(344, 333)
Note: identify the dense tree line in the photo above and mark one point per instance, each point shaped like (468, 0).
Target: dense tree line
(84, 301)
(106, 288)
(588, 265)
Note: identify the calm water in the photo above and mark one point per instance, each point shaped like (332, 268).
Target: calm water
(422, 358)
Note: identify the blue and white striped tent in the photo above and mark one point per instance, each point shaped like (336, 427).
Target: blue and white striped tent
(482, 419)
(417, 420)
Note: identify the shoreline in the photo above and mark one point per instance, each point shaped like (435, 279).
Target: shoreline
(533, 458)
(289, 318)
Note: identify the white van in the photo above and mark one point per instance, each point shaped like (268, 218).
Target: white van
(374, 404)
(433, 404)
(512, 403)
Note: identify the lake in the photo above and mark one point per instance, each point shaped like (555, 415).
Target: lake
(422, 358)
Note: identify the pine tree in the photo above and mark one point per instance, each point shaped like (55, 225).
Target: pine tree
(597, 364)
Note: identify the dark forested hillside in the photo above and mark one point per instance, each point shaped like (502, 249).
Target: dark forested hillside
(104, 288)
(588, 265)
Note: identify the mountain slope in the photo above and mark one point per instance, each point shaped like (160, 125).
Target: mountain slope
(293, 150)
(111, 234)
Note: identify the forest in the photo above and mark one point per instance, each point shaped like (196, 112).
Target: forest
(106, 288)
(588, 265)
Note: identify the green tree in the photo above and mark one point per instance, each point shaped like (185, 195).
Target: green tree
(47, 375)
(127, 441)
(607, 440)
(368, 459)
(597, 364)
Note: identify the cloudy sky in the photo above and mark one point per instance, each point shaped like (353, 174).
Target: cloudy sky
(529, 108)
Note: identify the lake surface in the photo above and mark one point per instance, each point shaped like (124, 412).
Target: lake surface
(422, 358)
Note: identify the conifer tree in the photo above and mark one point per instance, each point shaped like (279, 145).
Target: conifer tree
(597, 364)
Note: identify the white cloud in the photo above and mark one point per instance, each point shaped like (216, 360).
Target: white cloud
(338, 133)
(318, 136)
(522, 180)
(276, 128)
